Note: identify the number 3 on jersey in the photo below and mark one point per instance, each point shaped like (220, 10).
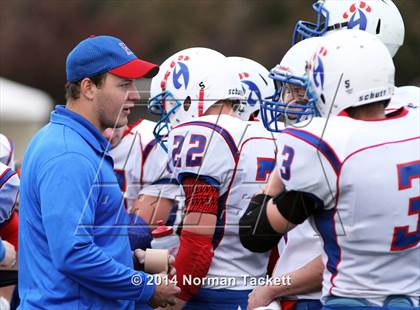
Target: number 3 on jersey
(195, 152)
(288, 153)
(403, 239)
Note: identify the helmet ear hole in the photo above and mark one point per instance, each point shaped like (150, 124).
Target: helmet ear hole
(238, 105)
(187, 104)
(378, 27)
(322, 98)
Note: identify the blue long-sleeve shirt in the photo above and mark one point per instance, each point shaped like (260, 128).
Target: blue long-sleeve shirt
(74, 251)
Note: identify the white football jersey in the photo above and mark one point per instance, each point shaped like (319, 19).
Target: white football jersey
(140, 165)
(237, 158)
(9, 189)
(6, 152)
(366, 174)
(298, 248)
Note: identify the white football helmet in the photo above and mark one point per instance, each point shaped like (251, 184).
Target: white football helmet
(288, 74)
(405, 96)
(256, 85)
(188, 84)
(341, 75)
(378, 17)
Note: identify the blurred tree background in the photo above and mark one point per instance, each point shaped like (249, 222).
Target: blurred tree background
(36, 36)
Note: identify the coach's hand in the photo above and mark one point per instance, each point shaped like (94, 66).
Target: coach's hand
(9, 260)
(165, 292)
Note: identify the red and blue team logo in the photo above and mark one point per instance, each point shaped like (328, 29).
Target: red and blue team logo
(357, 15)
(181, 74)
(250, 89)
(318, 73)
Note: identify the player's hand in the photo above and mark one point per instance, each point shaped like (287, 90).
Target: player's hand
(165, 293)
(260, 296)
(9, 260)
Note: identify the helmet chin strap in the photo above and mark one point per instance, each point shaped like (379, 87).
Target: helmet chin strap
(337, 26)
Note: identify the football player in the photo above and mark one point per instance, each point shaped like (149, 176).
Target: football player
(9, 225)
(9, 189)
(300, 252)
(140, 166)
(256, 85)
(351, 175)
(9, 186)
(220, 161)
(380, 18)
(9, 219)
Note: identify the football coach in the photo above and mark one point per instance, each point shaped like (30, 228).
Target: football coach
(73, 241)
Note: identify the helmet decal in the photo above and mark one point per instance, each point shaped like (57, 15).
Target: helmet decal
(180, 69)
(182, 72)
(318, 68)
(252, 92)
(357, 16)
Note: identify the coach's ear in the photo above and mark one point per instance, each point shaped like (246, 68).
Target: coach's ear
(88, 89)
(255, 231)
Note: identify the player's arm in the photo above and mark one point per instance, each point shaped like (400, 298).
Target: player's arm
(255, 229)
(160, 190)
(153, 208)
(274, 212)
(68, 199)
(305, 280)
(309, 177)
(157, 200)
(196, 250)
